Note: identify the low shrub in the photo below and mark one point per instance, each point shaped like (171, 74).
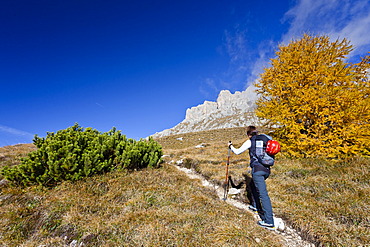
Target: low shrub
(75, 153)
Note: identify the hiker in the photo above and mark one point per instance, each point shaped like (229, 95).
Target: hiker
(259, 174)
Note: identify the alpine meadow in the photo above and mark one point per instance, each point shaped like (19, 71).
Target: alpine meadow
(81, 187)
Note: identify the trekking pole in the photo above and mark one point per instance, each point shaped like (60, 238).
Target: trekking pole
(226, 183)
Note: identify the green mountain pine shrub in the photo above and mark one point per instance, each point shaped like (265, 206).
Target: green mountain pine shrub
(75, 153)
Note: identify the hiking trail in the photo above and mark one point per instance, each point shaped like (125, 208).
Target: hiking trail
(290, 236)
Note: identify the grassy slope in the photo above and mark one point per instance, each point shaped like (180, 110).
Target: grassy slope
(327, 200)
(160, 207)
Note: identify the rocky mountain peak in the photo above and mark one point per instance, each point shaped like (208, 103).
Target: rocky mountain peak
(230, 110)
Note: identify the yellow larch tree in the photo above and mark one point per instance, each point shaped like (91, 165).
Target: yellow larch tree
(317, 103)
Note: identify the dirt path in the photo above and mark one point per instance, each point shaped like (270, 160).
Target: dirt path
(290, 236)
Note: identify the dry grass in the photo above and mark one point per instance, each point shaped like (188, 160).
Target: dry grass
(326, 200)
(151, 207)
(10, 155)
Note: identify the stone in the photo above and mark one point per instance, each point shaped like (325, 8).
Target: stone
(229, 111)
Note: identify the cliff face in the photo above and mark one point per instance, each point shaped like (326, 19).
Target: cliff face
(230, 110)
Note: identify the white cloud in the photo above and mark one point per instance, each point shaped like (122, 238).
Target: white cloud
(246, 64)
(100, 105)
(357, 32)
(15, 131)
(338, 19)
(236, 45)
(265, 49)
(240, 57)
(307, 16)
(209, 87)
(11, 136)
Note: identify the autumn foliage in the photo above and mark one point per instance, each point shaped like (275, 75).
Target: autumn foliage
(317, 102)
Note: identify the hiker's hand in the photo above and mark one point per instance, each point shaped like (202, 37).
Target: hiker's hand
(230, 144)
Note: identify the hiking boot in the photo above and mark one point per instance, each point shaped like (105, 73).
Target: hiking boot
(266, 225)
(253, 209)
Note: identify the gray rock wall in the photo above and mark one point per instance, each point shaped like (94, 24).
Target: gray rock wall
(230, 110)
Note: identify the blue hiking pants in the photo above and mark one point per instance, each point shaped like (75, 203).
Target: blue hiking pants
(261, 197)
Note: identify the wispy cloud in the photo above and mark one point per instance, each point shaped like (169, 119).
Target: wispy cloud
(235, 44)
(240, 56)
(11, 136)
(246, 62)
(209, 88)
(15, 131)
(265, 50)
(338, 19)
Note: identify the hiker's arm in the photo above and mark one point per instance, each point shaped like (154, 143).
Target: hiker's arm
(246, 145)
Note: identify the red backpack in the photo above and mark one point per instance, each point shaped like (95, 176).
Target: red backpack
(272, 147)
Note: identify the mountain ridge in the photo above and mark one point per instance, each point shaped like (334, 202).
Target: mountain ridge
(228, 111)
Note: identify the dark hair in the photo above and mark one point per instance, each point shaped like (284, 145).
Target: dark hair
(251, 130)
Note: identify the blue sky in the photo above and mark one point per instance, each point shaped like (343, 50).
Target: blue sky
(138, 65)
